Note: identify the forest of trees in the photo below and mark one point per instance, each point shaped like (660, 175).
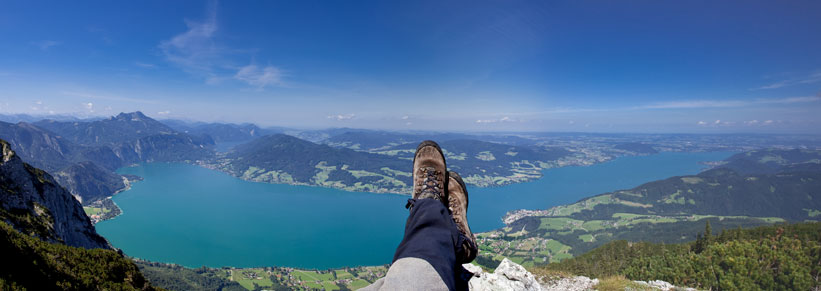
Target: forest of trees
(30, 263)
(780, 257)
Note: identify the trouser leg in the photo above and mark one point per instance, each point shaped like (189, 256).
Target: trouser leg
(426, 257)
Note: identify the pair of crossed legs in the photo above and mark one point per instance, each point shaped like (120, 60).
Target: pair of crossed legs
(437, 238)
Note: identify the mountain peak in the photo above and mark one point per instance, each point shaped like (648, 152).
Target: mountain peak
(131, 116)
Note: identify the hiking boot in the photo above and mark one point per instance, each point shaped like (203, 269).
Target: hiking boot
(458, 205)
(429, 172)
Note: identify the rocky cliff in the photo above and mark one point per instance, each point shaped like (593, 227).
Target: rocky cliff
(32, 202)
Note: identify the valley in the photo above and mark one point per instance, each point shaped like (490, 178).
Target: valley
(272, 195)
(737, 194)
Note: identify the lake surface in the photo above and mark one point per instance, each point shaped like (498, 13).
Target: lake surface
(194, 216)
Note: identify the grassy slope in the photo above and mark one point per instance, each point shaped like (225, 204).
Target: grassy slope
(29, 263)
(782, 257)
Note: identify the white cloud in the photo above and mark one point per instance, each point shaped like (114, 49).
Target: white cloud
(348, 116)
(259, 77)
(89, 106)
(720, 123)
(197, 52)
(809, 79)
(503, 119)
(405, 117)
(194, 50)
(164, 112)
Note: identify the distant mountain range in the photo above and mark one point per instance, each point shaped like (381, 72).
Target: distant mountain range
(83, 155)
(748, 189)
(222, 132)
(79, 157)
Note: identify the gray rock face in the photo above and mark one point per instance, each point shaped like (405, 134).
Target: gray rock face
(507, 276)
(32, 202)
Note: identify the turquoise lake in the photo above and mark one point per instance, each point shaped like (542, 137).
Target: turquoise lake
(194, 216)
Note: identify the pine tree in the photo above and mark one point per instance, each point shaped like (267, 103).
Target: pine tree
(708, 233)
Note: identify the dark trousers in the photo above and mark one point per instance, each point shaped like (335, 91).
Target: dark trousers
(431, 235)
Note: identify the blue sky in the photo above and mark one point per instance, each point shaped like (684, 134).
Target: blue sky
(602, 66)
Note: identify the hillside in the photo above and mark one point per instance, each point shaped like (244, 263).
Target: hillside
(282, 158)
(782, 257)
(32, 264)
(32, 202)
(73, 165)
(487, 164)
(114, 130)
(219, 132)
(666, 211)
(46, 239)
(83, 155)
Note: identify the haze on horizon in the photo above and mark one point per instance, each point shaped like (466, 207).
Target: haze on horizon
(642, 66)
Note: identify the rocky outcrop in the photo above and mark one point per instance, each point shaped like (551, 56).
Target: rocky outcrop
(511, 276)
(507, 276)
(32, 202)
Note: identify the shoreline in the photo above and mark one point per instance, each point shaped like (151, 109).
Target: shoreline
(109, 201)
(232, 176)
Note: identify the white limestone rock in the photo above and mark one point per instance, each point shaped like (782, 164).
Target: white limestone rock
(511, 276)
(507, 276)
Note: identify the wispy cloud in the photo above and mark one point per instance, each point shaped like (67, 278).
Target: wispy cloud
(259, 77)
(46, 44)
(727, 103)
(194, 50)
(498, 120)
(340, 117)
(198, 52)
(812, 78)
(751, 123)
(167, 112)
(108, 97)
